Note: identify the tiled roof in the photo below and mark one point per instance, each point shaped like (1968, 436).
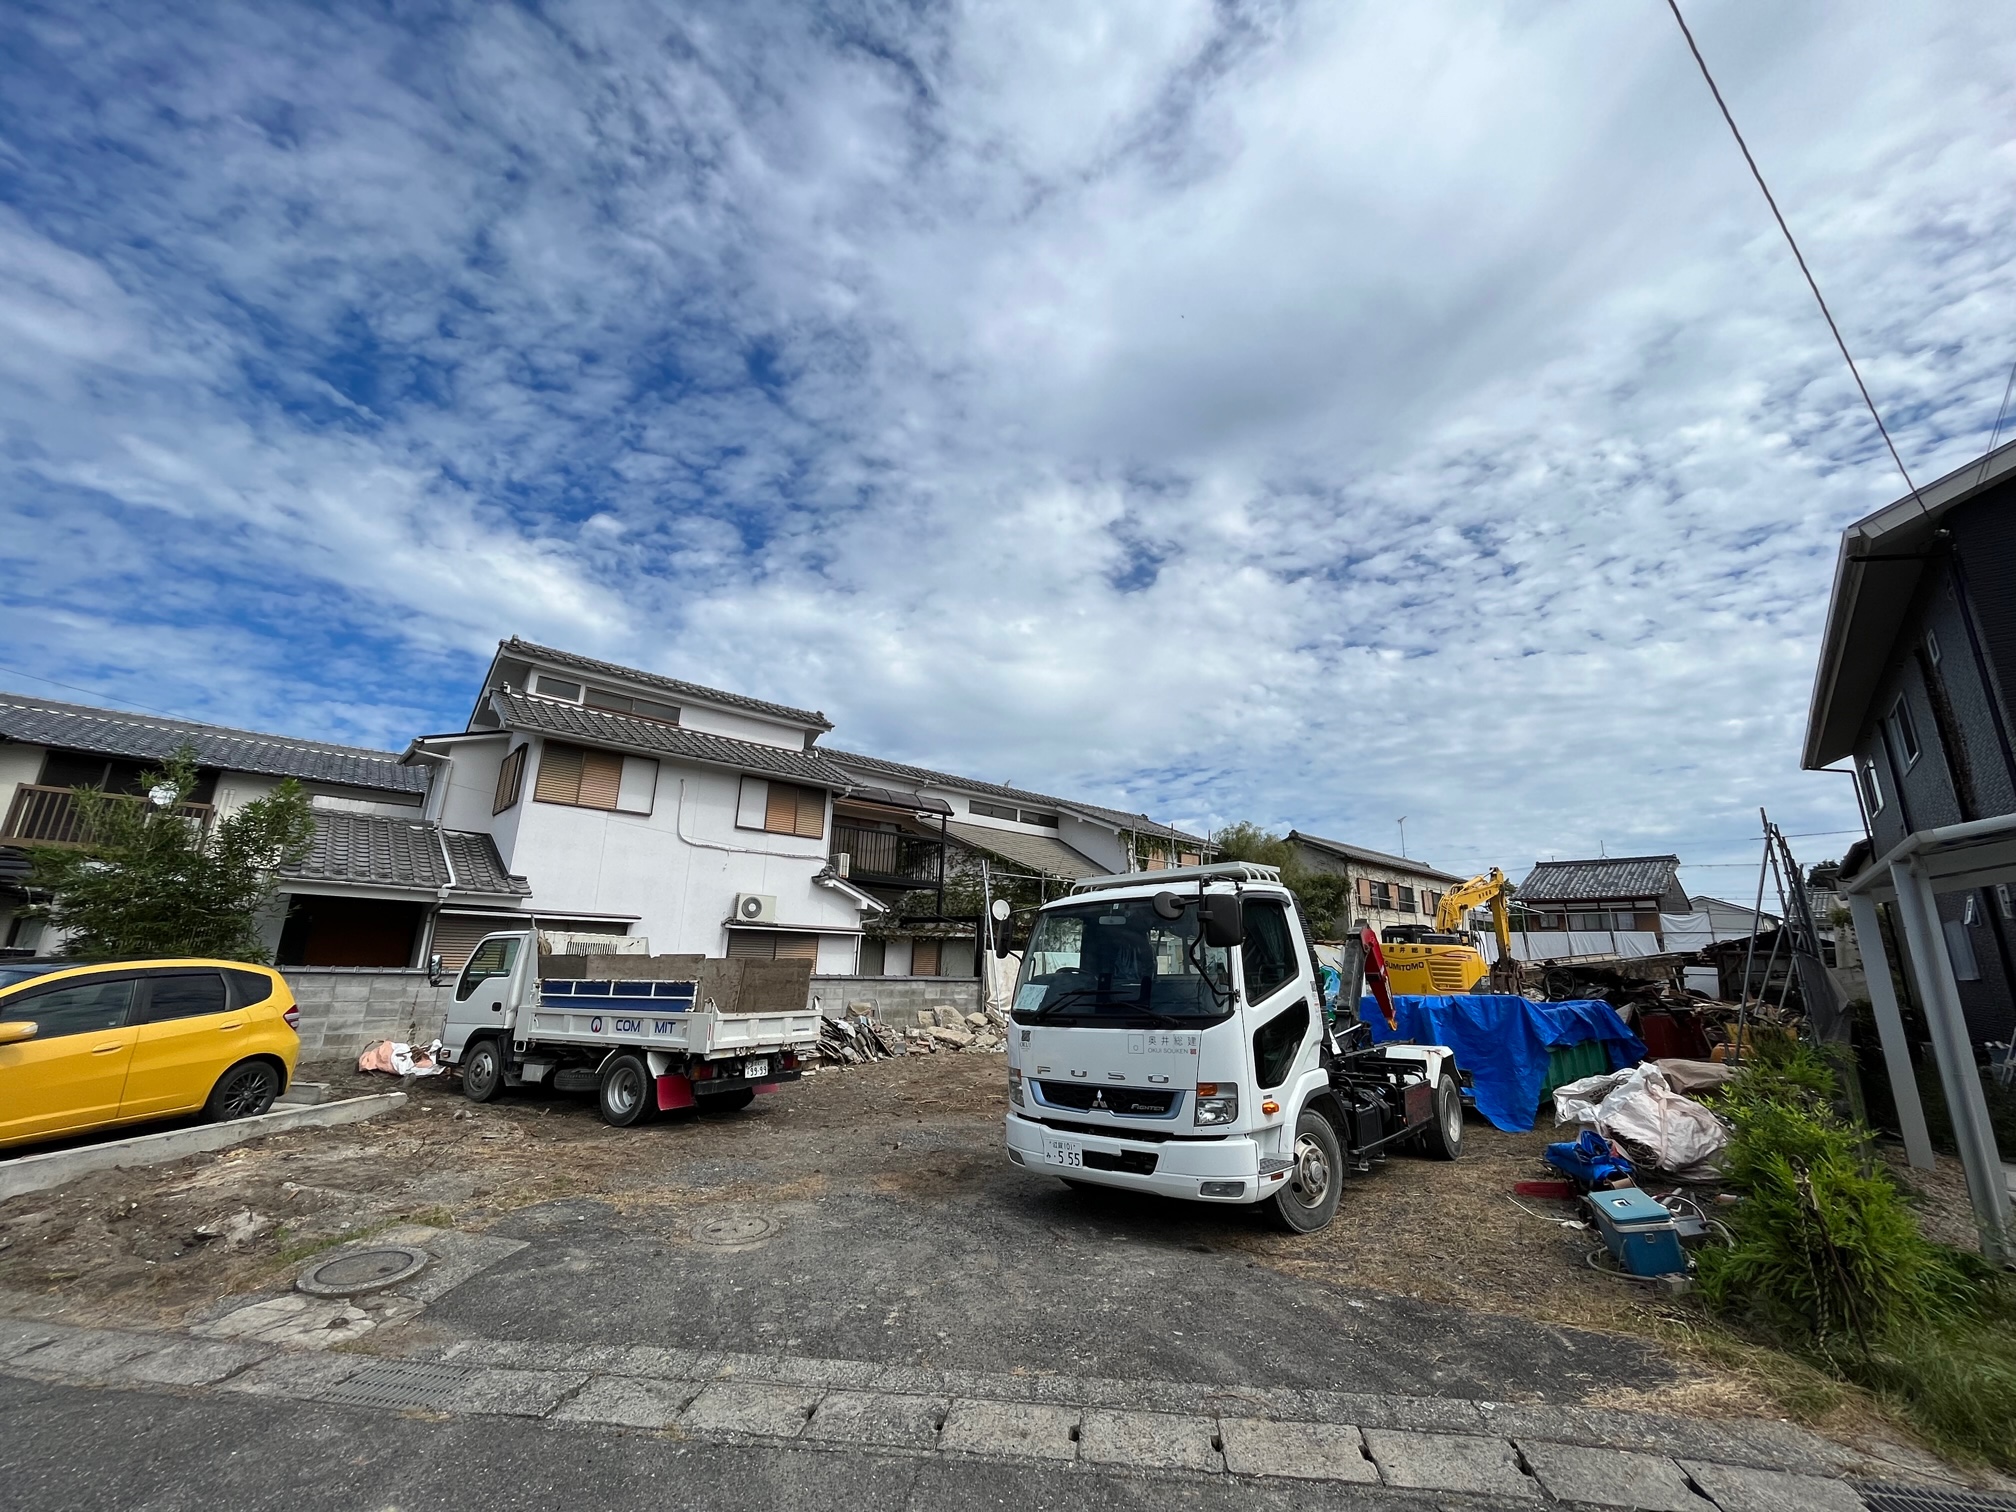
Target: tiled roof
(1040, 853)
(526, 649)
(524, 712)
(915, 775)
(139, 737)
(1372, 857)
(1587, 881)
(407, 853)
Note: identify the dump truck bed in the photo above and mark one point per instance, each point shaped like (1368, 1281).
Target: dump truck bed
(657, 1015)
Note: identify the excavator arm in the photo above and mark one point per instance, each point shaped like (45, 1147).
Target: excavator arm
(1491, 889)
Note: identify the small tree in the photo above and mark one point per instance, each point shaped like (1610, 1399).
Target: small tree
(148, 881)
(1324, 897)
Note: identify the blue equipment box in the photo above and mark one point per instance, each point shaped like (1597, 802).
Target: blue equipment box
(1640, 1233)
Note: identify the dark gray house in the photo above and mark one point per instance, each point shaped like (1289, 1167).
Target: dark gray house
(1914, 693)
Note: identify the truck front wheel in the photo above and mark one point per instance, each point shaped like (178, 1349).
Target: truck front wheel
(1307, 1200)
(627, 1092)
(482, 1071)
(1444, 1138)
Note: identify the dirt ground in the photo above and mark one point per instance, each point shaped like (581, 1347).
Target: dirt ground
(153, 1247)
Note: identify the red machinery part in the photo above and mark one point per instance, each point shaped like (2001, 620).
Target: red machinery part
(1375, 976)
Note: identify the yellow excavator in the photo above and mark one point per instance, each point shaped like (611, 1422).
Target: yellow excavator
(1444, 958)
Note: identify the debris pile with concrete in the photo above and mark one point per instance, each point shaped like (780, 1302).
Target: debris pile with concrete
(859, 1036)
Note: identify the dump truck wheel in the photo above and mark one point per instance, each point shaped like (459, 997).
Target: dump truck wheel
(482, 1071)
(627, 1093)
(1307, 1201)
(1444, 1137)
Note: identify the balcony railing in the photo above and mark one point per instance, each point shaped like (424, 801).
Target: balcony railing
(48, 816)
(882, 856)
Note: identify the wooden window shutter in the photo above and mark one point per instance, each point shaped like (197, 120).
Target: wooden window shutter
(780, 816)
(797, 947)
(601, 779)
(510, 780)
(811, 814)
(456, 935)
(1365, 891)
(924, 957)
(751, 944)
(559, 774)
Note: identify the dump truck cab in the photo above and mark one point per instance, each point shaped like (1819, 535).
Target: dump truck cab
(1169, 1034)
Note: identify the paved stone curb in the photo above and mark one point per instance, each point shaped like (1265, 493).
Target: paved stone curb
(1511, 1455)
(37, 1173)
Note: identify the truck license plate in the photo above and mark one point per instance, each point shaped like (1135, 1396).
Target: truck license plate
(757, 1067)
(1063, 1152)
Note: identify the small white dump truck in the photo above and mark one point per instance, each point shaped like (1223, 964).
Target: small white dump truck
(1169, 1035)
(646, 1034)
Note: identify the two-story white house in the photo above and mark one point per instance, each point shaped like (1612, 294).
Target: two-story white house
(638, 804)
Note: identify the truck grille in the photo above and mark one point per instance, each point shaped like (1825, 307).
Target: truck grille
(1129, 1102)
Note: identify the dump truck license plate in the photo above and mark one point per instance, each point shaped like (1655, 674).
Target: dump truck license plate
(758, 1067)
(1062, 1152)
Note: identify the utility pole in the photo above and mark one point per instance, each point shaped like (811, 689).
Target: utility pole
(1403, 836)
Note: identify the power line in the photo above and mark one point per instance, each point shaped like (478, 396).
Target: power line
(97, 693)
(1798, 256)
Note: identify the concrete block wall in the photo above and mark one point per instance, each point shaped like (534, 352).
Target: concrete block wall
(898, 999)
(345, 1008)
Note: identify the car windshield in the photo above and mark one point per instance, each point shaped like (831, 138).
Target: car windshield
(13, 973)
(1107, 962)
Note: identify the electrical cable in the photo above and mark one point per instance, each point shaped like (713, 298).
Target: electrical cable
(1798, 256)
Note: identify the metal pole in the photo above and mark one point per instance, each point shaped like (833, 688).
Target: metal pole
(1965, 1101)
(1890, 1025)
(1750, 951)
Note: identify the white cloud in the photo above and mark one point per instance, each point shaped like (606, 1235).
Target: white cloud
(1309, 414)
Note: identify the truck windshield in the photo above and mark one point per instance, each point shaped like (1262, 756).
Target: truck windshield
(1104, 963)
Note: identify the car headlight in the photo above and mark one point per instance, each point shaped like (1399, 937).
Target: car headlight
(1015, 1086)
(1217, 1102)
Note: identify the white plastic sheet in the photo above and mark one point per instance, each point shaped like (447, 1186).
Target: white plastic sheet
(397, 1059)
(1640, 1109)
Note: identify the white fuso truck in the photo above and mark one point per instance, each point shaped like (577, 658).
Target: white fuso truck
(642, 1043)
(1169, 1035)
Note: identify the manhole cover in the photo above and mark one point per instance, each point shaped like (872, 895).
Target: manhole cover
(355, 1272)
(734, 1230)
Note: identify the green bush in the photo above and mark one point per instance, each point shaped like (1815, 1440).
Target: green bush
(1826, 1259)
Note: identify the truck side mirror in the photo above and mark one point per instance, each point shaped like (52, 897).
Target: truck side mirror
(1224, 924)
(435, 975)
(1004, 943)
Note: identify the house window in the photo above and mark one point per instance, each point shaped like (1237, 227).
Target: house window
(581, 778)
(623, 703)
(557, 687)
(993, 810)
(1406, 899)
(772, 945)
(1429, 901)
(925, 956)
(1906, 731)
(1381, 894)
(510, 781)
(1872, 790)
(781, 808)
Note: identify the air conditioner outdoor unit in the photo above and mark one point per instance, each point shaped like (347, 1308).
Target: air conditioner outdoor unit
(756, 908)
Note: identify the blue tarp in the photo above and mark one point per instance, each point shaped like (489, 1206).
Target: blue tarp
(1503, 1042)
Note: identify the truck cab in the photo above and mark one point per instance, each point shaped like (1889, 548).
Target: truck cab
(1169, 1034)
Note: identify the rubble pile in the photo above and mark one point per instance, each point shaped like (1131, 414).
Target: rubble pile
(859, 1036)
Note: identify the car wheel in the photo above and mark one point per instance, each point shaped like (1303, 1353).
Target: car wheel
(245, 1091)
(1444, 1138)
(628, 1093)
(727, 1102)
(1307, 1201)
(482, 1071)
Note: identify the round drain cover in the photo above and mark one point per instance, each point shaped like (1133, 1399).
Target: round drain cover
(735, 1229)
(357, 1271)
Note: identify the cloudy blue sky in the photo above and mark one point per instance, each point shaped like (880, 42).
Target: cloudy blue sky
(1318, 414)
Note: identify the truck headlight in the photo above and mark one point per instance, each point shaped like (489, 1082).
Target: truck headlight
(1217, 1102)
(1015, 1086)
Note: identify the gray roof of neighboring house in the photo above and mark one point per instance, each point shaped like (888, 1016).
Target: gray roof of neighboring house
(140, 737)
(522, 711)
(1877, 571)
(531, 652)
(1590, 881)
(1372, 857)
(1040, 853)
(916, 774)
(367, 849)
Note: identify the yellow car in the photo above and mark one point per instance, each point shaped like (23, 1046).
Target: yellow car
(86, 1047)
